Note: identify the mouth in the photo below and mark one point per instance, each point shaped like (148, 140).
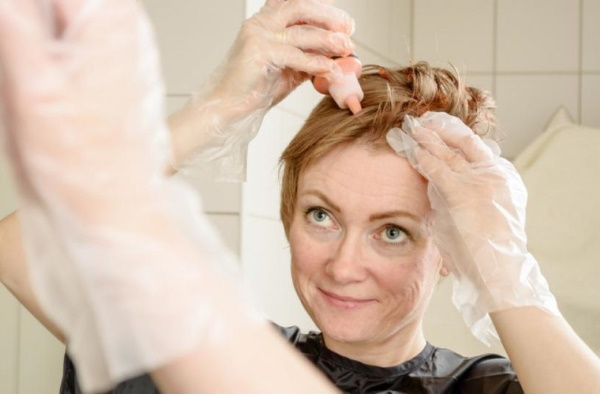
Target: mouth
(343, 302)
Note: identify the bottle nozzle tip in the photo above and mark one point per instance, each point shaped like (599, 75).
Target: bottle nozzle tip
(353, 104)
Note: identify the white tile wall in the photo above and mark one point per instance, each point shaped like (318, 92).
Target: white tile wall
(262, 188)
(193, 37)
(8, 194)
(382, 29)
(217, 197)
(365, 13)
(590, 35)
(40, 357)
(261, 191)
(229, 228)
(9, 308)
(266, 268)
(302, 100)
(485, 82)
(590, 100)
(400, 32)
(9, 342)
(445, 327)
(449, 31)
(527, 102)
(538, 35)
(369, 56)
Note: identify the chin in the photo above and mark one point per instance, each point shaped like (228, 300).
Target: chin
(344, 330)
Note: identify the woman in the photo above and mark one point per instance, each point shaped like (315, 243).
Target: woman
(361, 227)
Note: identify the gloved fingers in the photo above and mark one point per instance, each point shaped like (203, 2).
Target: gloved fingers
(22, 39)
(317, 40)
(457, 135)
(298, 60)
(431, 142)
(66, 12)
(434, 169)
(473, 147)
(91, 22)
(316, 13)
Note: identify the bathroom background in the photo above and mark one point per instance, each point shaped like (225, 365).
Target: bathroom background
(535, 56)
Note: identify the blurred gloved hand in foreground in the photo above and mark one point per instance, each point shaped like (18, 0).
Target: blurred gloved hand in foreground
(479, 203)
(276, 50)
(120, 258)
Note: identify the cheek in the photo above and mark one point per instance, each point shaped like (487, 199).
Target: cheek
(413, 278)
(306, 254)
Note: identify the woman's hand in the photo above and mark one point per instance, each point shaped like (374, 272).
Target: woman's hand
(275, 51)
(281, 46)
(479, 202)
(68, 101)
(82, 115)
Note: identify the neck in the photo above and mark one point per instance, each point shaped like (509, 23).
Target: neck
(402, 346)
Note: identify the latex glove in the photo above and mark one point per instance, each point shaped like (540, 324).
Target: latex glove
(120, 258)
(275, 51)
(479, 205)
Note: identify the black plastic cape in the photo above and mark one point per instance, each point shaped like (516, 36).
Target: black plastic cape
(434, 370)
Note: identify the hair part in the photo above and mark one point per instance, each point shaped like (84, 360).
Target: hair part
(390, 95)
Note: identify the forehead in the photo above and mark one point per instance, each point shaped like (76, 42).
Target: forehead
(360, 176)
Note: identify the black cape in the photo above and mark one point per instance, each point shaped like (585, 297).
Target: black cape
(434, 370)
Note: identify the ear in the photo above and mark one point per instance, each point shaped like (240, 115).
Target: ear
(444, 270)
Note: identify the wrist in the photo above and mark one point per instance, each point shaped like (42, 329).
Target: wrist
(208, 120)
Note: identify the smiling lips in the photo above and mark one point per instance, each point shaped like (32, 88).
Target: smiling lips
(341, 302)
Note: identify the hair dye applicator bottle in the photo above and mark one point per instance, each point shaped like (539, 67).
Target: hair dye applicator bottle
(345, 91)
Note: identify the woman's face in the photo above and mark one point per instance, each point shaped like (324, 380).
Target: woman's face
(363, 261)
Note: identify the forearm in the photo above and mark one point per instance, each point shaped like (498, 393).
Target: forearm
(546, 353)
(193, 125)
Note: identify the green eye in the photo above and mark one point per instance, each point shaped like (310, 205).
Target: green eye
(319, 215)
(393, 234)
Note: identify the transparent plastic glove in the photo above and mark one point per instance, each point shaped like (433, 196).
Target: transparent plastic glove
(275, 51)
(479, 203)
(121, 259)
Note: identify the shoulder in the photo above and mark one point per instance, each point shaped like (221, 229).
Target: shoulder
(291, 334)
(295, 336)
(309, 344)
(488, 373)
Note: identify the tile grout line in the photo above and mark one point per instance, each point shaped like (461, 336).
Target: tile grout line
(534, 73)
(495, 50)
(264, 217)
(222, 213)
(241, 227)
(580, 79)
(411, 50)
(18, 385)
(374, 51)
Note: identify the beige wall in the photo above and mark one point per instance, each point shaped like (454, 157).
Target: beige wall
(533, 56)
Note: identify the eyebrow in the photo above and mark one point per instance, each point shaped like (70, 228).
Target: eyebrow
(323, 197)
(393, 214)
(373, 217)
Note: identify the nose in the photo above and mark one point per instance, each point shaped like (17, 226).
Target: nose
(346, 264)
